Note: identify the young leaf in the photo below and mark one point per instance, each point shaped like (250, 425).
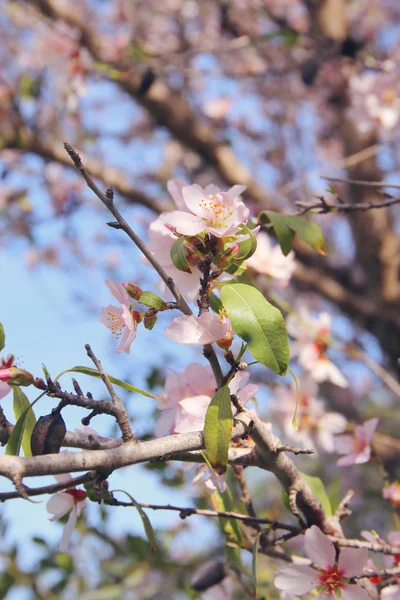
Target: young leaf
(152, 301)
(286, 226)
(223, 502)
(26, 421)
(94, 373)
(284, 233)
(248, 247)
(318, 489)
(259, 324)
(218, 429)
(148, 528)
(2, 337)
(308, 231)
(296, 383)
(178, 255)
(215, 302)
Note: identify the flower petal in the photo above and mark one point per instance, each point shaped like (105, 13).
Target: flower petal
(353, 561)
(296, 579)
(369, 429)
(59, 504)
(354, 592)
(175, 186)
(68, 531)
(118, 291)
(184, 222)
(319, 547)
(193, 196)
(4, 389)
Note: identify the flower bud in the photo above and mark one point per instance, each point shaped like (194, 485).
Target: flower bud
(149, 321)
(133, 290)
(224, 344)
(15, 376)
(228, 257)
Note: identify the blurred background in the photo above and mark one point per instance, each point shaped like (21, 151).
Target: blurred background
(272, 94)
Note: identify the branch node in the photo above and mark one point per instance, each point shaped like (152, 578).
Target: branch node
(76, 159)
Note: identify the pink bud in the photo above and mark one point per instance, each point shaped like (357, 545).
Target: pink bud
(133, 290)
(15, 376)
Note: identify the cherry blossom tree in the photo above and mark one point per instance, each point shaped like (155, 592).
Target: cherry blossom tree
(247, 152)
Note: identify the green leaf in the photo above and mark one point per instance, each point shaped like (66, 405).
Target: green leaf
(151, 300)
(308, 231)
(2, 337)
(286, 226)
(218, 429)
(258, 585)
(248, 247)
(259, 324)
(178, 255)
(296, 383)
(284, 233)
(148, 528)
(26, 421)
(94, 373)
(318, 489)
(46, 373)
(223, 502)
(215, 302)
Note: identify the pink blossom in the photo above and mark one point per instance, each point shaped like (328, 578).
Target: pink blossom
(331, 578)
(5, 365)
(211, 480)
(4, 389)
(313, 338)
(219, 213)
(391, 592)
(316, 426)
(206, 329)
(392, 493)
(194, 408)
(356, 447)
(194, 380)
(122, 322)
(160, 243)
(70, 501)
(188, 393)
(269, 260)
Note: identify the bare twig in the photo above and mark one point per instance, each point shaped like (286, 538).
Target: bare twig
(16, 468)
(375, 184)
(120, 413)
(373, 546)
(246, 497)
(107, 200)
(382, 573)
(188, 512)
(50, 489)
(323, 207)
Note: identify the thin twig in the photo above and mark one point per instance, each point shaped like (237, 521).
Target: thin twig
(362, 182)
(245, 496)
(107, 200)
(121, 415)
(50, 489)
(188, 512)
(373, 546)
(323, 207)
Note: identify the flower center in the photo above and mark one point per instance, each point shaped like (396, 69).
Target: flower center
(115, 324)
(331, 580)
(215, 210)
(78, 495)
